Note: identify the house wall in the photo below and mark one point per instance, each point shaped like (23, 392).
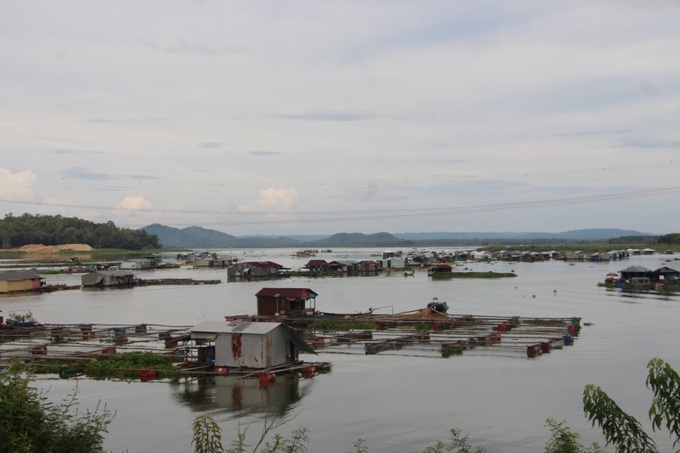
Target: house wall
(267, 306)
(251, 350)
(19, 285)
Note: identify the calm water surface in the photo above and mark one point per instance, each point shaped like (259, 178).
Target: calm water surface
(394, 402)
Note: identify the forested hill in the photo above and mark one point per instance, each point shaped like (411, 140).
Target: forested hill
(197, 237)
(55, 230)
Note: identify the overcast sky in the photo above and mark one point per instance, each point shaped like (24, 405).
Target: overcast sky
(283, 117)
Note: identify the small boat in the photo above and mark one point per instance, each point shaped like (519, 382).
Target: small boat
(435, 305)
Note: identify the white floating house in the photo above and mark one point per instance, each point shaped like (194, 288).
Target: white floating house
(251, 345)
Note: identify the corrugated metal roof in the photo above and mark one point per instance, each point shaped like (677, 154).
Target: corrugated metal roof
(263, 264)
(18, 275)
(255, 328)
(112, 273)
(635, 269)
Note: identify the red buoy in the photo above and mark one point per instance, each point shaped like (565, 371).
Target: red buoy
(267, 377)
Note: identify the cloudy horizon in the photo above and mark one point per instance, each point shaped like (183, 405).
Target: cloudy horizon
(298, 117)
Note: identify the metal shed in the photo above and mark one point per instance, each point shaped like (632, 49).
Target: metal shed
(19, 280)
(108, 278)
(251, 345)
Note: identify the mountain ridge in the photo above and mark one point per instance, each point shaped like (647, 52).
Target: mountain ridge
(198, 237)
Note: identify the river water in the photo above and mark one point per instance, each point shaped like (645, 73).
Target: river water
(394, 402)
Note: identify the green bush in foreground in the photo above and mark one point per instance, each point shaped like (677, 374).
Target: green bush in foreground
(29, 424)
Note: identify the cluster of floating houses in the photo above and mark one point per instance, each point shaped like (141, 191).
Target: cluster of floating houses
(122, 275)
(641, 278)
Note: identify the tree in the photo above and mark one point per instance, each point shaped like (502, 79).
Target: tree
(55, 230)
(29, 424)
(623, 431)
(564, 440)
(671, 238)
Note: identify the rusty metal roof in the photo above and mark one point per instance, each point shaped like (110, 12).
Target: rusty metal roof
(286, 292)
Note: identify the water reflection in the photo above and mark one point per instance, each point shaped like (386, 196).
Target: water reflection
(244, 396)
(632, 297)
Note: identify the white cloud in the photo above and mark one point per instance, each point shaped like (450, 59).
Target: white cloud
(133, 203)
(272, 200)
(17, 186)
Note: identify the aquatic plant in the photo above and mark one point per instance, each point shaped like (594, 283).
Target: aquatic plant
(448, 350)
(115, 366)
(339, 325)
(423, 327)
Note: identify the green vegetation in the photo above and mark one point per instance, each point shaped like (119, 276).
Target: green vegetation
(623, 431)
(207, 438)
(339, 325)
(564, 440)
(30, 424)
(451, 349)
(490, 274)
(116, 366)
(673, 238)
(55, 230)
(423, 327)
(21, 317)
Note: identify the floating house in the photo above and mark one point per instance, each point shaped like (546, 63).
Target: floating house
(366, 266)
(285, 301)
(211, 262)
(317, 265)
(437, 268)
(19, 281)
(259, 269)
(392, 263)
(600, 257)
(666, 274)
(249, 345)
(342, 266)
(108, 278)
(638, 274)
(141, 263)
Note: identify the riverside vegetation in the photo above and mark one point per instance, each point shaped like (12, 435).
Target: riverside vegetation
(29, 423)
(55, 230)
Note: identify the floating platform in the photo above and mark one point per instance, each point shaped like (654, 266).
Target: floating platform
(431, 332)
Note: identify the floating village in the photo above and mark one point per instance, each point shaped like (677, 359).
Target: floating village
(288, 324)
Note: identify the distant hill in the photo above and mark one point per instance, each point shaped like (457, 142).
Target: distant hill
(361, 240)
(590, 234)
(197, 237)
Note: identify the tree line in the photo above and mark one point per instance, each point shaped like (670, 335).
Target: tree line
(672, 238)
(17, 231)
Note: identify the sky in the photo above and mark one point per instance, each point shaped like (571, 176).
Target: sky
(319, 117)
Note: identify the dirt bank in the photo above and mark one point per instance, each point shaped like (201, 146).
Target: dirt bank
(39, 248)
